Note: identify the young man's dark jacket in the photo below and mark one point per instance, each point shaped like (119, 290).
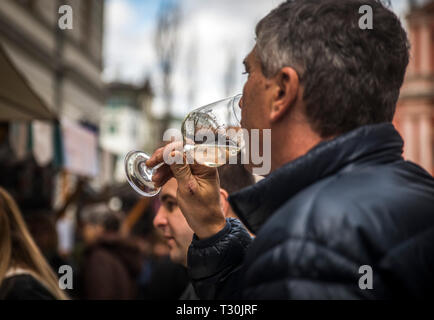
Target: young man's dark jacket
(349, 202)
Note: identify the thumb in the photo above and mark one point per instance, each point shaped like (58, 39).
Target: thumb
(181, 171)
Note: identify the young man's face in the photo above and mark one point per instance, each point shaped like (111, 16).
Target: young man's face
(171, 222)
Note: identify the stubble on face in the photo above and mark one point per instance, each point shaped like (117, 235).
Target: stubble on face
(255, 95)
(256, 102)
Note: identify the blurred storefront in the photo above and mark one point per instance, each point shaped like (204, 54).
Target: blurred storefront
(56, 126)
(415, 111)
(51, 100)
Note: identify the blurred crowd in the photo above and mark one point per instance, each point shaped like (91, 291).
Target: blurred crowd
(115, 255)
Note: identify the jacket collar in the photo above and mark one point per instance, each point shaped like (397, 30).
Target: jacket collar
(370, 144)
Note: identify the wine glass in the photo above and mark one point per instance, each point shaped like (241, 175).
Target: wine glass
(211, 136)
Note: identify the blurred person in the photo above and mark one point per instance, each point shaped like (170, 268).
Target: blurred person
(24, 272)
(111, 264)
(170, 220)
(340, 198)
(42, 228)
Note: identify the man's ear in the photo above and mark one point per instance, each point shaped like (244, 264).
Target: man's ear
(287, 86)
(224, 204)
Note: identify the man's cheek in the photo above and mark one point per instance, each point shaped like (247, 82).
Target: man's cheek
(243, 118)
(173, 255)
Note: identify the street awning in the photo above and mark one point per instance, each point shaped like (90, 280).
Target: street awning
(18, 101)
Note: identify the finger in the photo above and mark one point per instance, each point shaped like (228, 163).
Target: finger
(156, 158)
(162, 175)
(159, 155)
(181, 171)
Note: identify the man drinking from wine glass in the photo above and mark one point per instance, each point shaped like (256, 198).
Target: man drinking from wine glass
(340, 198)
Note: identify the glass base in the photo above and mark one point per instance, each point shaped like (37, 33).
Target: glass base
(139, 176)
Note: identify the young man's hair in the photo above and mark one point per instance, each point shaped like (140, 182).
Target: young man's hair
(351, 76)
(234, 177)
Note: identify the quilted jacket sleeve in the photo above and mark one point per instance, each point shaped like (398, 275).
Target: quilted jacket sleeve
(214, 264)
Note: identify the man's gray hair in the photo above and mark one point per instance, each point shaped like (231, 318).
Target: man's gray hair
(272, 46)
(351, 77)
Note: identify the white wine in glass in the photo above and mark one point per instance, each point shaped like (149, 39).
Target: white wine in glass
(211, 137)
(214, 155)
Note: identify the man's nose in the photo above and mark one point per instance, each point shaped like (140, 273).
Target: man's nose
(240, 103)
(160, 219)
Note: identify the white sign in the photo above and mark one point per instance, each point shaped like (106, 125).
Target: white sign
(80, 149)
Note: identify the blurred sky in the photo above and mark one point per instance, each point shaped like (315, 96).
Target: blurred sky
(214, 37)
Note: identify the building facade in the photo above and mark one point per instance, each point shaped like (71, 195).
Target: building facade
(415, 110)
(127, 123)
(63, 66)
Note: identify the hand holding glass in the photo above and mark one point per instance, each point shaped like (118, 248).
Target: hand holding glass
(213, 120)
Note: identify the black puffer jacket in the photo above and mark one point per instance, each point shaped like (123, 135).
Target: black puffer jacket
(348, 202)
